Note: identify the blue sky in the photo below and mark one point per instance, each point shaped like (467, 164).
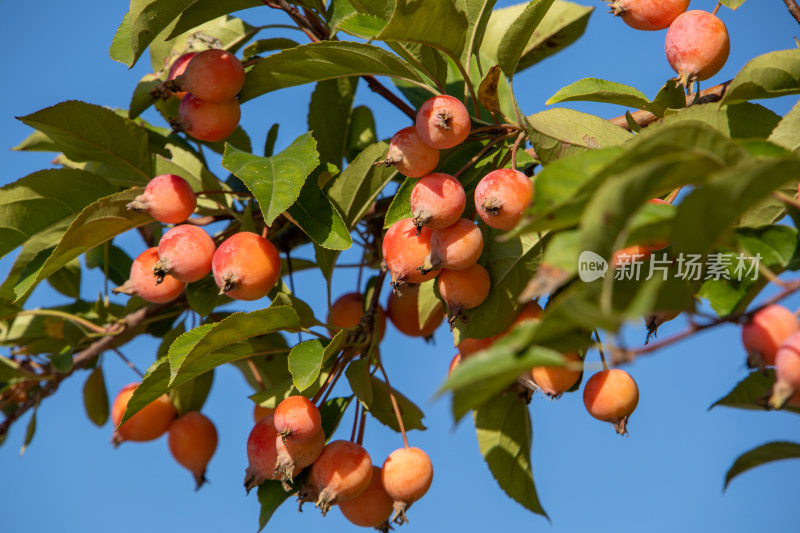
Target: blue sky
(666, 475)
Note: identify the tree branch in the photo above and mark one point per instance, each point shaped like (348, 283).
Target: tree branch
(793, 8)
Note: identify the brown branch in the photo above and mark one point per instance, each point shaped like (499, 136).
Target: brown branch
(645, 118)
(793, 8)
(381, 89)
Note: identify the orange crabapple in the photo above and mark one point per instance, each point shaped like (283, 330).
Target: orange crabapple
(348, 310)
(787, 371)
(294, 455)
(468, 346)
(648, 15)
(611, 396)
(340, 473)
(556, 380)
(192, 441)
(167, 198)
(212, 75)
(246, 266)
(409, 155)
(443, 122)
(697, 46)
(297, 418)
(502, 196)
(403, 312)
(373, 507)
(262, 454)
(177, 68)
(141, 282)
(464, 289)
(185, 253)
(149, 423)
(456, 247)
(766, 332)
(207, 121)
(437, 201)
(407, 475)
(405, 248)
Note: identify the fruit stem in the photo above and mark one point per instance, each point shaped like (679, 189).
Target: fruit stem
(517, 144)
(256, 374)
(794, 202)
(719, 5)
(600, 349)
(356, 418)
(674, 194)
(128, 362)
(395, 407)
(360, 440)
(479, 155)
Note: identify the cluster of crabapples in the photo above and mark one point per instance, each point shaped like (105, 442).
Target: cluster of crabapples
(291, 438)
(207, 83)
(192, 436)
(697, 43)
(772, 338)
(246, 266)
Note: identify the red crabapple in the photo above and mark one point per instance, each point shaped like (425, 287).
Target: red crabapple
(184, 252)
(192, 441)
(178, 67)
(556, 380)
(348, 310)
(262, 454)
(437, 201)
(697, 46)
(142, 284)
(611, 396)
(455, 247)
(149, 423)
(298, 419)
(787, 371)
(167, 198)
(443, 122)
(409, 155)
(341, 473)
(765, 333)
(246, 266)
(260, 412)
(373, 507)
(407, 475)
(404, 313)
(649, 15)
(404, 250)
(207, 121)
(464, 289)
(212, 75)
(294, 455)
(467, 347)
(502, 197)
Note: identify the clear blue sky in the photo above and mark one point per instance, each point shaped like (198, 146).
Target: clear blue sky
(666, 476)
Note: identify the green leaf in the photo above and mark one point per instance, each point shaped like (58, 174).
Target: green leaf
(275, 181)
(29, 431)
(752, 392)
(271, 495)
(99, 222)
(505, 436)
(557, 133)
(203, 296)
(360, 25)
(191, 396)
(319, 219)
(43, 199)
(441, 24)
(400, 207)
(518, 34)
(733, 4)
(67, 279)
(305, 362)
(119, 263)
(120, 49)
(373, 394)
(478, 14)
(36, 142)
(147, 19)
(62, 361)
(428, 302)
(767, 76)
(86, 132)
(268, 45)
(786, 133)
(322, 61)
(361, 133)
(331, 413)
(142, 97)
(766, 453)
(737, 121)
(596, 90)
(329, 116)
(199, 12)
(355, 189)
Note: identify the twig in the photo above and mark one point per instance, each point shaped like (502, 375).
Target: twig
(394, 401)
(793, 8)
(256, 373)
(515, 148)
(381, 89)
(356, 418)
(483, 151)
(600, 349)
(128, 362)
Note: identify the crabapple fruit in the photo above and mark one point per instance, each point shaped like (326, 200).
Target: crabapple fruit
(262, 454)
(167, 198)
(348, 310)
(192, 441)
(178, 67)
(464, 289)
(212, 75)
(260, 412)
(697, 46)
(556, 380)
(404, 313)
(297, 418)
(246, 266)
(530, 311)
(373, 507)
(405, 248)
(787, 371)
(142, 284)
(294, 455)
(468, 347)
(631, 254)
(149, 423)
(454, 363)
(765, 333)
(649, 15)
(611, 396)
(340, 473)
(409, 155)
(455, 247)
(443, 122)
(437, 201)
(207, 121)
(502, 197)
(407, 475)
(185, 253)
